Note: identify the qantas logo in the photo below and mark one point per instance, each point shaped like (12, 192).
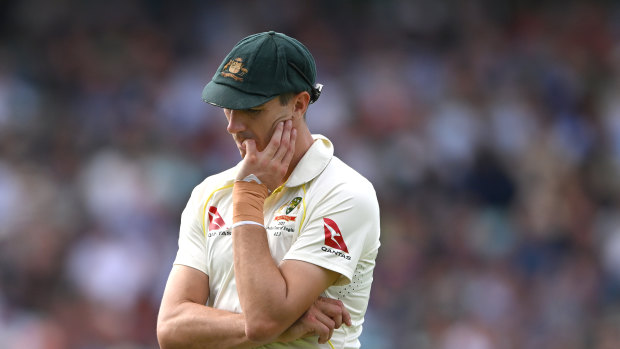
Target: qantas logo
(333, 237)
(215, 220)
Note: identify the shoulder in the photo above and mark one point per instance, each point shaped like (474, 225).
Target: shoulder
(346, 197)
(341, 183)
(214, 183)
(344, 177)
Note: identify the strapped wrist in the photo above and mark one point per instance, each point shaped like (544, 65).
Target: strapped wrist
(248, 201)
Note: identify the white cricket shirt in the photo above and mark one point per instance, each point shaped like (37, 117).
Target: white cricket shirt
(325, 214)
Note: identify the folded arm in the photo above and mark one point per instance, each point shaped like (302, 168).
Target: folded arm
(185, 322)
(272, 296)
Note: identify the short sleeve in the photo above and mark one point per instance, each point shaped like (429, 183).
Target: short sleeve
(192, 244)
(340, 228)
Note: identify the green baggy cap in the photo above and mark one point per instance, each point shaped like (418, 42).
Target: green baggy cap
(259, 68)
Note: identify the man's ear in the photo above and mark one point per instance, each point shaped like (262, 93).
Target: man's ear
(300, 104)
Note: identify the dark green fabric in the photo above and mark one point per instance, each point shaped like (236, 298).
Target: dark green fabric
(258, 69)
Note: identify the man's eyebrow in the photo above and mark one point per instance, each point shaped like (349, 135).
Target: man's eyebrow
(258, 107)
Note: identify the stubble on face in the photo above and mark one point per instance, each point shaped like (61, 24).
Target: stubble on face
(254, 133)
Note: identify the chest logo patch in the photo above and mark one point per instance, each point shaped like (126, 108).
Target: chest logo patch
(215, 220)
(293, 205)
(333, 237)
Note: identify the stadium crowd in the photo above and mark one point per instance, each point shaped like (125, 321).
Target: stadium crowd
(490, 129)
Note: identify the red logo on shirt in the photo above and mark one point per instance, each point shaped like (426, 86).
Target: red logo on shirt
(285, 218)
(215, 220)
(333, 237)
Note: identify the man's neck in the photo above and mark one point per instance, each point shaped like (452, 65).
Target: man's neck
(302, 144)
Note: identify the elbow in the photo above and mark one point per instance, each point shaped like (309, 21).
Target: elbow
(262, 330)
(164, 336)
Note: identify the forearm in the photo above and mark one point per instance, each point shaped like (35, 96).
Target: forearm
(261, 286)
(195, 326)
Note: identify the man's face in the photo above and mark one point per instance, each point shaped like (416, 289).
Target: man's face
(257, 123)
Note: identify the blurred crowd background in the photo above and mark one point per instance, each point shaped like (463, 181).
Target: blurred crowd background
(490, 129)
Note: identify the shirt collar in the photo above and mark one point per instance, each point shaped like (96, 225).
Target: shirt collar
(313, 162)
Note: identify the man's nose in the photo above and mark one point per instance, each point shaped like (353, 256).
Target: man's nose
(235, 123)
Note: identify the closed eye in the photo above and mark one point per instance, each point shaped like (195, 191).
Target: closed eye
(253, 111)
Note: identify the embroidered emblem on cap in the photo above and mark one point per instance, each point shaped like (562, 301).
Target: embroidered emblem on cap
(234, 69)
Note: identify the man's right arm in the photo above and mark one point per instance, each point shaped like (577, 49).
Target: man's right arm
(185, 322)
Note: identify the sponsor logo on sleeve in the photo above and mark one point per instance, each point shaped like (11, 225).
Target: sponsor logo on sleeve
(217, 226)
(215, 220)
(333, 239)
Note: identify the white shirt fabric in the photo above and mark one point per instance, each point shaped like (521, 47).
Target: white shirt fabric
(325, 214)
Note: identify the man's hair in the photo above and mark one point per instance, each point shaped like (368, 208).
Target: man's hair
(285, 98)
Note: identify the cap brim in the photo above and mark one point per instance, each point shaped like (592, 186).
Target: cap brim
(225, 96)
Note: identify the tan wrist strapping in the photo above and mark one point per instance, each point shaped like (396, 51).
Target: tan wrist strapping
(248, 201)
